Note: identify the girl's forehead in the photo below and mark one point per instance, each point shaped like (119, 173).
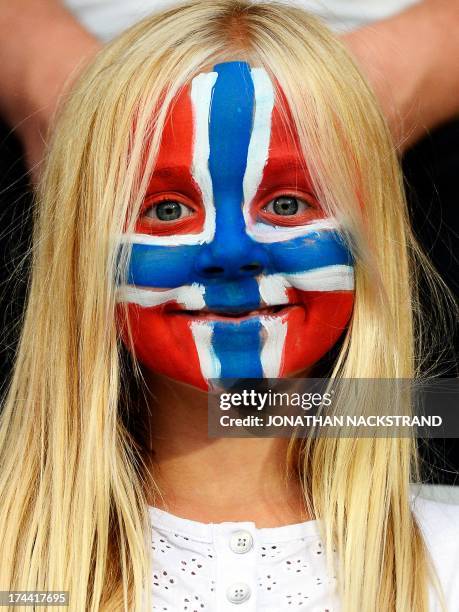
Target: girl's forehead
(229, 114)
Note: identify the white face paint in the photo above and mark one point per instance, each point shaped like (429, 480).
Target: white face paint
(250, 279)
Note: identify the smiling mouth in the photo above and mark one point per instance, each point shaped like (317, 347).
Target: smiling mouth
(233, 316)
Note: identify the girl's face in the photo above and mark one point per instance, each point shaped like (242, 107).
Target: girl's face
(235, 270)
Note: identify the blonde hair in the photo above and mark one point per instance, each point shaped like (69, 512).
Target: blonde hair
(73, 513)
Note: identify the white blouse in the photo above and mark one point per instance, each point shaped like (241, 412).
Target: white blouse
(237, 567)
(107, 18)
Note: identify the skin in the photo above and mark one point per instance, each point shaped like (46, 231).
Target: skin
(277, 289)
(411, 62)
(213, 480)
(46, 47)
(202, 478)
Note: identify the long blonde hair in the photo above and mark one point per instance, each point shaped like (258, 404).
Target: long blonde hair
(73, 513)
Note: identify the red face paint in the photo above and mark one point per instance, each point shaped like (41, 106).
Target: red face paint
(235, 271)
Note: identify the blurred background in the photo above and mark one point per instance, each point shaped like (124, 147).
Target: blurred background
(408, 50)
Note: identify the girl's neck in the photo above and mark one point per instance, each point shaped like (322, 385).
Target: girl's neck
(215, 479)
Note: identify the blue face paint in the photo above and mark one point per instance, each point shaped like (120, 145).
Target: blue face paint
(233, 270)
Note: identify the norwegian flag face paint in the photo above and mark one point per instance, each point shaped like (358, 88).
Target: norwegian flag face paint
(234, 271)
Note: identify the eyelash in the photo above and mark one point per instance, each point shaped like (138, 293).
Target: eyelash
(307, 201)
(168, 200)
(152, 201)
(287, 196)
(149, 223)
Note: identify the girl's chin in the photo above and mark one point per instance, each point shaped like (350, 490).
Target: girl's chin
(190, 384)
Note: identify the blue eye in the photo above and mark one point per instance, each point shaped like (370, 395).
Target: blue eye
(168, 210)
(286, 206)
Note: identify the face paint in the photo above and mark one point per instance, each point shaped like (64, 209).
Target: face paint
(235, 272)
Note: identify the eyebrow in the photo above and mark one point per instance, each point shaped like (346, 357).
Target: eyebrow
(278, 164)
(289, 162)
(167, 171)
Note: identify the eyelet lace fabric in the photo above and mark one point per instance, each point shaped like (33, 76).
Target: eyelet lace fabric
(199, 567)
(237, 567)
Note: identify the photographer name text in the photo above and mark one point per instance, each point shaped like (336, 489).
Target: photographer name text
(309, 420)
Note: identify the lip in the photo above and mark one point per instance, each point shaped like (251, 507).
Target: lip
(205, 314)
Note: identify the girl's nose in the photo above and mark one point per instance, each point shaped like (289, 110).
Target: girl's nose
(231, 259)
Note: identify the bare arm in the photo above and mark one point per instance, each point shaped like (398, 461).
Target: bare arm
(412, 62)
(41, 47)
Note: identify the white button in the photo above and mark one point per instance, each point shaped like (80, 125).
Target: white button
(241, 542)
(238, 592)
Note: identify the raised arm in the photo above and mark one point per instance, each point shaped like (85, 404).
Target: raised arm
(412, 62)
(42, 46)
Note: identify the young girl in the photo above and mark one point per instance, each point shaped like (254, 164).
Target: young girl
(221, 199)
